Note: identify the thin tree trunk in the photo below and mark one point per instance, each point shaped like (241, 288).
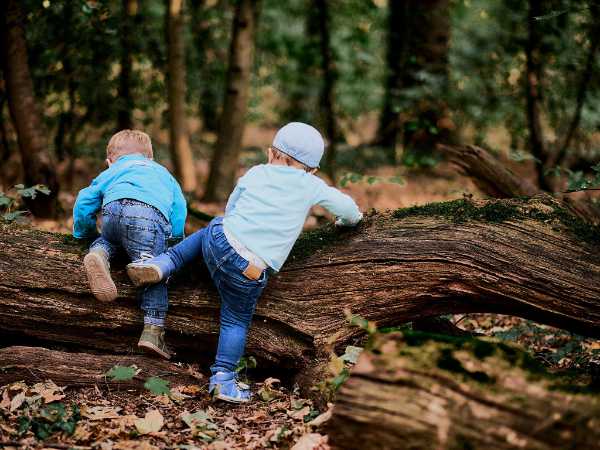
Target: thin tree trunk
(533, 93)
(389, 131)
(416, 391)
(224, 163)
(329, 74)
(38, 165)
(125, 99)
(179, 142)
(417, 42)
(391, 270)
(4, 145)
(586, 77)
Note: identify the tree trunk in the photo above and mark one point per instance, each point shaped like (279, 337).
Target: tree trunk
(38, 165)
(418, 37)
(392, 269)
(224, 163)
(418, 391)
(179, 142)
(533, 93)
(34, 364)
(496, 180)
(329, 75)
(125, 99)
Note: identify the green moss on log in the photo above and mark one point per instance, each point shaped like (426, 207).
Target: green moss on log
(539, 209)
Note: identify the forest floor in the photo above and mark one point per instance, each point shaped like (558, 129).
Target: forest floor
(44, 415)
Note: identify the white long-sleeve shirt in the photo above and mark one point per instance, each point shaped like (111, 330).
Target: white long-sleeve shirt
(269, 205)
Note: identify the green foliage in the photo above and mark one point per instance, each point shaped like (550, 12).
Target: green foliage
(10, 201)
(122, 373)
(157, 386)
(246, 363)
(353, 177)
(51, 419)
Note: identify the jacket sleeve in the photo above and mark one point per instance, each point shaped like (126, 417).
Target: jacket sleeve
(339, 204)
(178, 212)
(87, 204)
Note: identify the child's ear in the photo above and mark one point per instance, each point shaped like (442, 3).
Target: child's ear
(108, 162)
(313, 170)
(269, 155)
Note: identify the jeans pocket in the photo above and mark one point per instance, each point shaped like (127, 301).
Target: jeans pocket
(141, 238)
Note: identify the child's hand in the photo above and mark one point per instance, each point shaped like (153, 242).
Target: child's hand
(340, 222)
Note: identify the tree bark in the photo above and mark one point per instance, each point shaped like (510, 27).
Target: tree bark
(224, 163)
(412, 392)
(38, 165)
(490, 175)
(179, 141)
(329, 75)
(35, 364)
(126, 34)
(418, 38)
(391, 270)
(533, 93)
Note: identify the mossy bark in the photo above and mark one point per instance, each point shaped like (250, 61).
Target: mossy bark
(418, 391)
(392, 269)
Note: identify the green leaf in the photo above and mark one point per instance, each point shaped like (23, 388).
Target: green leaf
(122, 373)
(31, 192)
(351, 354)
(14, 215)
(246, 363)
(157, 386)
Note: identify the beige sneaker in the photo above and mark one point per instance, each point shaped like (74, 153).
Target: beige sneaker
(98, 273)
(153, 340)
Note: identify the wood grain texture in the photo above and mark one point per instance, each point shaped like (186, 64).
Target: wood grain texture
(36, 364)
(388, 270)
(440, 395)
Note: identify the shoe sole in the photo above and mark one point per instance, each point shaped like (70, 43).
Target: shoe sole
(101, 283)
(143, 275)
(150, 347)
(230, 399)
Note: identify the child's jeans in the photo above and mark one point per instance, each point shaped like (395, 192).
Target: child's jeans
(137, 228)
(239, 294)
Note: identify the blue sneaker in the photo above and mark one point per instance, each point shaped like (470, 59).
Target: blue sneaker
(225, 386)
(150, 270)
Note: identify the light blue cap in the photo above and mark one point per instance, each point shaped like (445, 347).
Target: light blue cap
(300, 141)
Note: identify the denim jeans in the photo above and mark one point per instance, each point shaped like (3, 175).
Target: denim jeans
(239, 294)
(137, 228)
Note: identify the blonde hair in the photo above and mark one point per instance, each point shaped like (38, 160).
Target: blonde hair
(126, 142)
(288, 160)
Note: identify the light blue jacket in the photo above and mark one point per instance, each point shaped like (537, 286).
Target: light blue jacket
(131, 176)
(268, 208)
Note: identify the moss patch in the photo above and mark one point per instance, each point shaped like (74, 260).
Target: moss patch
(463, 210)
(312, 241)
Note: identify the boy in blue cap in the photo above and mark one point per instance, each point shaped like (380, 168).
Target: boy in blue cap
(142, 206)
(263, 218)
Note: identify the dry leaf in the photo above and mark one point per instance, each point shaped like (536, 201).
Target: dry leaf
(134, 445)
(190, 389)
(311, 441)
(49, 391)
(5, 402)
(17, 401)
(321, 418)
(151, 423)
(299, 414)
(100, 412)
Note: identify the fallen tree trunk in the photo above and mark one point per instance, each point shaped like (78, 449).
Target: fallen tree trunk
(496, 180)
(35, 364)
(418, 391)
(529, 259)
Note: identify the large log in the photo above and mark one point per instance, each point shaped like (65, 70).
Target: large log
(35, 364)
(420, 391)
(529, 259)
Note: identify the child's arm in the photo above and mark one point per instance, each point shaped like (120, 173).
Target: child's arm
(178, 212)
(89, 201)
(339, 204)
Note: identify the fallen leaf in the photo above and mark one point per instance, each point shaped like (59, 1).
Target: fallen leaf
(151, 423)
(190, 389)
(100, 412)
(312, 441)
(321, 419)
(5, 402)
(267, 392)
(300, 413)
(201, 424)
(17, 401)
(134, 445)
(48, 391)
